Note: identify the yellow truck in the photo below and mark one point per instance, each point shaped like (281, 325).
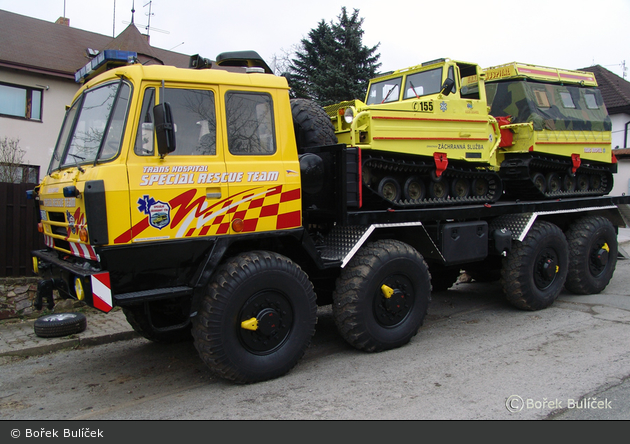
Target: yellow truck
(209, 205)
(448, 132)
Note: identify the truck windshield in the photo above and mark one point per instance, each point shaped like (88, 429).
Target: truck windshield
(93, 127)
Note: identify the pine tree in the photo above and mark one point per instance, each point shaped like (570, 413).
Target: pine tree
(333, 64)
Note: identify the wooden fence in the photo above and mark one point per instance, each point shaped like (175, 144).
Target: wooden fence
(18, 230)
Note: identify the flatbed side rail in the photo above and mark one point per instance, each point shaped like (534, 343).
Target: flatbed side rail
(482, 211)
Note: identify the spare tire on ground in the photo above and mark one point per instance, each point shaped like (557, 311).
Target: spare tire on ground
(60, 324)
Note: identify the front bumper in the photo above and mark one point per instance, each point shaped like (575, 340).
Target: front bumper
(73, 281)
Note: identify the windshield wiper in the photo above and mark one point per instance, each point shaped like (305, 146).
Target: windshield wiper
(76, 161)
(388, 93)
(413, 88)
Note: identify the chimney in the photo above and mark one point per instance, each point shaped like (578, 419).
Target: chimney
(63, 21)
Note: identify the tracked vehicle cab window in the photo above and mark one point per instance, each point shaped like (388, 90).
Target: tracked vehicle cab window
(591, 101)
(423, 83)
(384, 91)
(567, 100)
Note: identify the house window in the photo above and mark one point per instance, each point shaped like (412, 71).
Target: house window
(21, 101)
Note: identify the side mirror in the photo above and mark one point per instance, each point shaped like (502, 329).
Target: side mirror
(447, 86)
(164, 128)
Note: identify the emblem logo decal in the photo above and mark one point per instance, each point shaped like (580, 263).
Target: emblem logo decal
(159, 212)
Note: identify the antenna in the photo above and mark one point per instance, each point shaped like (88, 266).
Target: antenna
(624, 69)
(146, 27)
(149, 15)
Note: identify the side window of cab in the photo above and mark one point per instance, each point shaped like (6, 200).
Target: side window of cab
(250, 123)
(194, 116)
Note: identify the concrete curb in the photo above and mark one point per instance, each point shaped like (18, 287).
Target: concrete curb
(19, 339)
(70, 343)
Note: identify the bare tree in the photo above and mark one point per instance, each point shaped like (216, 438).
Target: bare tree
(11, 157)
(281, 63)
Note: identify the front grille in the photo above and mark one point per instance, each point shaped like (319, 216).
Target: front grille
(55, 216)
(62, 244)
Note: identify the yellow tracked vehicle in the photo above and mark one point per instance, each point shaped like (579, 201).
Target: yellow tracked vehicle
(447, 132)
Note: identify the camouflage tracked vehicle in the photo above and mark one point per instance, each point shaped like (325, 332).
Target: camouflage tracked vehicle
(447, 132)
(557, 132)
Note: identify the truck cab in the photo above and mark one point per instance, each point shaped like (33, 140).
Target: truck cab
(132, 187)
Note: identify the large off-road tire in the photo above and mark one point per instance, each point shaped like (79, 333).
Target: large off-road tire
(164, 315)
(59, 324)
(312, 125)
(535, 270)
(592, 255)
(365, 317)
(257, 318)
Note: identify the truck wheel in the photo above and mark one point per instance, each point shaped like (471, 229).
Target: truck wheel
(592, 255)
(140, 322)
(257, 318)
(311, 124)
(381, 297)
(535, 270)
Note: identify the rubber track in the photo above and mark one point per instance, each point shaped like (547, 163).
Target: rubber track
(424, 170)
(526, 189)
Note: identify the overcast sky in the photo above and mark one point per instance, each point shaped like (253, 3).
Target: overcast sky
(568, 34)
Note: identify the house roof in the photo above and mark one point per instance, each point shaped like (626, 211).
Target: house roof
(56, 49)
(615, 90)
(622, 153)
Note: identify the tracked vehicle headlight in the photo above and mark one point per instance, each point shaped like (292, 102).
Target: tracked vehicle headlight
(348, 115)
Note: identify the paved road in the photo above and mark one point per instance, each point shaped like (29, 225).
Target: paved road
(474, 353)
